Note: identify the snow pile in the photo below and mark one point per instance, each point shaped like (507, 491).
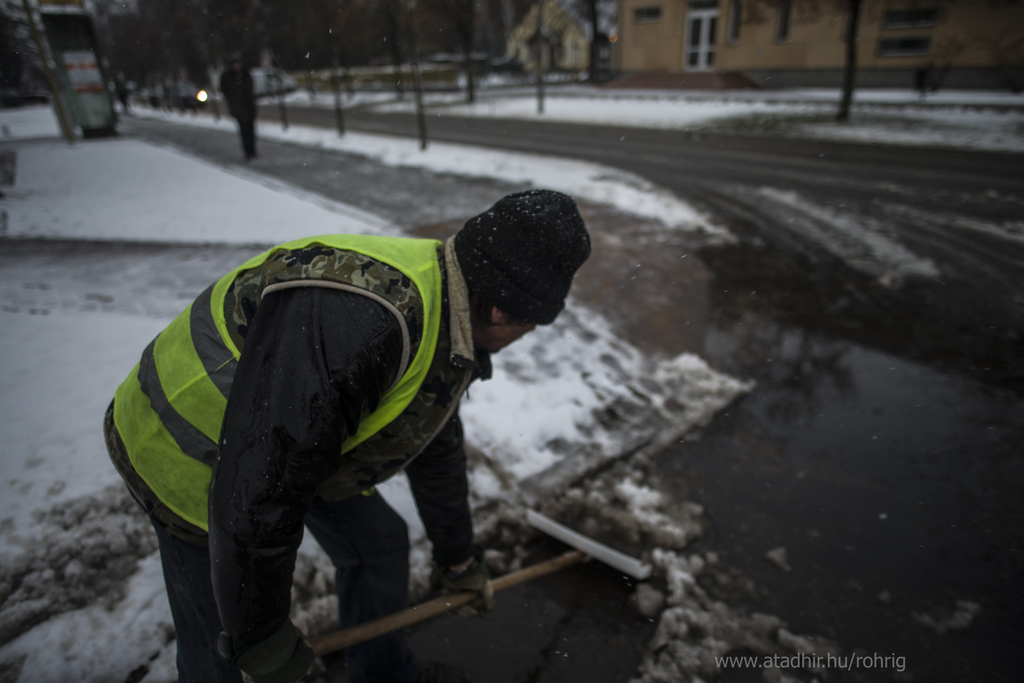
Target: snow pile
(963, 613)
(779, 558)
(92, 582)
(624, 504)
(84, 549)
(583, 180)
(695, 631)
(572, 395)
(314, 600)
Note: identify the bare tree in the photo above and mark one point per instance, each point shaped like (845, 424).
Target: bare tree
(462, 16)
(850, 67)
(591, 11)
(393, 20)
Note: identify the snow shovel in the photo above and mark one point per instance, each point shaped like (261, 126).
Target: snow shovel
(339, 640)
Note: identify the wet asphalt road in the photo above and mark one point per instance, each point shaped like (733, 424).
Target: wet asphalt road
(882, 444)
(941, 205)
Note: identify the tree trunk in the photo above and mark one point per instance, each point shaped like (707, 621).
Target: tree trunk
(279, 87)
(396, 47)
(850, 72)
(339, 116)
(397, 57)
(594, 68)
(417, 76)
(540, 56)
(470, 85)
(468, 38)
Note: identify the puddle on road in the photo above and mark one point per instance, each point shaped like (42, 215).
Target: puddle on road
(893, 487)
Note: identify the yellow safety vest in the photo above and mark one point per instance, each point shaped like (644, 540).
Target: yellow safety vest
(170, 408)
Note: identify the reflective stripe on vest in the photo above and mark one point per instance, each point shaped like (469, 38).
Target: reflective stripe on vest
(170, 409)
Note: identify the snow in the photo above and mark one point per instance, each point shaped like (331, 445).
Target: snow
(987, 121)
(970, 128)
(156, 194)
(582, 369)
(53, 448)
(862, 243)
(81, 588)
(641, 112)
(105, 640)
(963, 613)
(1007, 230)
(778, 557)
(27, 123)
(593, 182)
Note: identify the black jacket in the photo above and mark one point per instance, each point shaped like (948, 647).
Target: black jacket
(315, 360)
(236, 86)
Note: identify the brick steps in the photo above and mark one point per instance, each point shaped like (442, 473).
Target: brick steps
(682, 80)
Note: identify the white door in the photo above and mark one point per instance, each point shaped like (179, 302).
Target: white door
(700, 38)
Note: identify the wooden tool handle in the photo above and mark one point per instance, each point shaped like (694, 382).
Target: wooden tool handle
(339, 640)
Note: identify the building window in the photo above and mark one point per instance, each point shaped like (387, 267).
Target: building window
(734, 21)
(645, 15)
(782, 35)
(903, 47)
(910, 18)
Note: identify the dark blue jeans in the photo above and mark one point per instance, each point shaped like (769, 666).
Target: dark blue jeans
(247, 129)
(369, 544)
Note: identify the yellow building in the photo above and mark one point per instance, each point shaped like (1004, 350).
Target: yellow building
(565, 36)
(781, 43)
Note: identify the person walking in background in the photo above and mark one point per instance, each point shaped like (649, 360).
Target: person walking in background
(236, 86)
(121, 88)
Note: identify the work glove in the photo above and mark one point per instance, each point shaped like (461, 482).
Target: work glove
(474, 578)
(285, 657)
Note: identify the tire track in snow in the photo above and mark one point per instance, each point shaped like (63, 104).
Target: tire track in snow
(864, 243)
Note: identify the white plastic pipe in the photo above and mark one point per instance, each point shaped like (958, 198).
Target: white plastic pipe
(599, 551)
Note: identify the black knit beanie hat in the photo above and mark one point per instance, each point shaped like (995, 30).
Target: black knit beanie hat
(522, 254)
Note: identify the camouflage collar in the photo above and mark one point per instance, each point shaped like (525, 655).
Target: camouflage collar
(461, 328)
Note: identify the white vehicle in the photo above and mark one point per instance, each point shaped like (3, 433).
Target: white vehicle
(271, 82)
